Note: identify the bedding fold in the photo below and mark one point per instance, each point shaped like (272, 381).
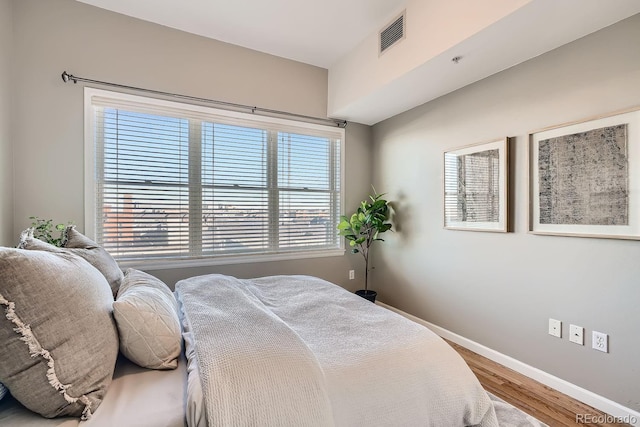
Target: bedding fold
(254, 369)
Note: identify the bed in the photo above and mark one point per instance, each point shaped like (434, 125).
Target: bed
(288, 351)
(271, 351)
(300, 351)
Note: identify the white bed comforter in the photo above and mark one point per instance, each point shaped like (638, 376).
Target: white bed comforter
(300, 351)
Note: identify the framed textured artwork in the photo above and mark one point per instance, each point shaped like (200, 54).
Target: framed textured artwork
(475, 187)
(584, 178)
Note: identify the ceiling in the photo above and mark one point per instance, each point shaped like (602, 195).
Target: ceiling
(532, 29)
(316, 32)
(330, 33)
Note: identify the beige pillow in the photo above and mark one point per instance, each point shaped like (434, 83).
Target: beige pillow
(75, 242)
(58, 340)
(148, 323)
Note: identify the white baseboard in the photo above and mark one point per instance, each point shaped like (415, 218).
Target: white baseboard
(594, 400)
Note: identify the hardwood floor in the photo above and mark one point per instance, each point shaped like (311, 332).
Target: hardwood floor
(544, 403)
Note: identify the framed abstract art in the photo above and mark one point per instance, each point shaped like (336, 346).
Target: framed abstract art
(584, 178)
(475, 187)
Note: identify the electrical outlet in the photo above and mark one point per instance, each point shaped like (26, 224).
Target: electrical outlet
(600, 341)
(576, 334)
(352, 274)
(555, 328)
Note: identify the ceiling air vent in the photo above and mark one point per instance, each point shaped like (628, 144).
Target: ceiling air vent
(392, 33)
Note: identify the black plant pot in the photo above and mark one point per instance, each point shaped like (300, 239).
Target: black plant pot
(368, 295)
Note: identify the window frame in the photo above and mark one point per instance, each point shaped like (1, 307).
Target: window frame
(271, 123)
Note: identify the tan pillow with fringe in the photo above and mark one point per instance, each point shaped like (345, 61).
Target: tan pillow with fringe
(58, 339)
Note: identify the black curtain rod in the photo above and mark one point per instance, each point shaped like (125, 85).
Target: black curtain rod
(70, 77)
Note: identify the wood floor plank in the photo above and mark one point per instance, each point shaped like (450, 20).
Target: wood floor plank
(536, 399)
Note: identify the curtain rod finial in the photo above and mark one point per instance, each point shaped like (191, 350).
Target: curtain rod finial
(66, 77)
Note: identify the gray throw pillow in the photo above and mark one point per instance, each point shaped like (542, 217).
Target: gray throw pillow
(147, 319)
(3, 391)
(97, 256)
(79, 244)
(58, 339)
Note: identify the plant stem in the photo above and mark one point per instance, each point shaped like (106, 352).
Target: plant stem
(365, 253)
(366, 275)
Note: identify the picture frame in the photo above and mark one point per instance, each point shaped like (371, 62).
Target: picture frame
(476, 187)
(584, 178)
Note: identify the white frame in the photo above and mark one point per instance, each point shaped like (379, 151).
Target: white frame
(501, 226)
(228, 115)
(630, 231)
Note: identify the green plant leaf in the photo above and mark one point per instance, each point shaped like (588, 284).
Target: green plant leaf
(344, 225)
(379, 204)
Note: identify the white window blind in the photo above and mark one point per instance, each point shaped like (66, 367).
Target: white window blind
(176, 181)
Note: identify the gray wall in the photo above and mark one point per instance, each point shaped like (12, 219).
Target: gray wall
(496, 289)
(56, 35)
(500, 289)
(6, 164)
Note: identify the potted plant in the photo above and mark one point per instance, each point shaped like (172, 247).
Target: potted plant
(43, 229)
(362, 229)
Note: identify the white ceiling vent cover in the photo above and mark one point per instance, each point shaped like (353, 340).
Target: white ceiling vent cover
(393, 33)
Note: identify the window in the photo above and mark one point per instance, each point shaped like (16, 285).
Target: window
(173, 181)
